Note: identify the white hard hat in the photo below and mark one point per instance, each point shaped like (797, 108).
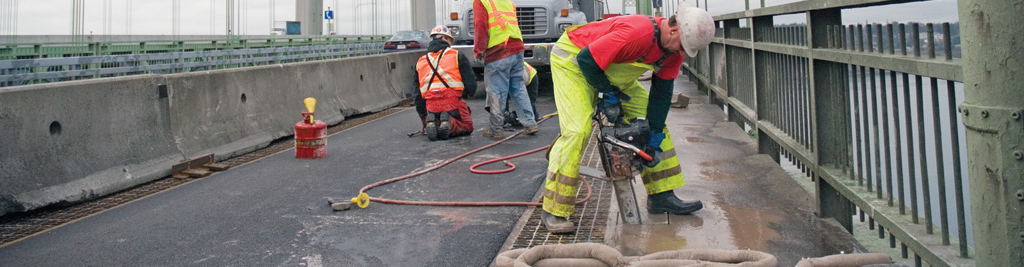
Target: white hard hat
(440, 30)
(696, 29)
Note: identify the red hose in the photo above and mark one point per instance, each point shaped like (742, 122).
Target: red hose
(462, 203)
(505, 159)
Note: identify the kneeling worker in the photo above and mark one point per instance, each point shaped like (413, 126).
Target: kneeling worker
(445, 78)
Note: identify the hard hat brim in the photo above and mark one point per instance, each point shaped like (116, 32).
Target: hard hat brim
(690, 54)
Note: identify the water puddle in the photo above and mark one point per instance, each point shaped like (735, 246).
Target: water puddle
(718, 225)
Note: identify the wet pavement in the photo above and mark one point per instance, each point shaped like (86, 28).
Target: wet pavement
(750, 202)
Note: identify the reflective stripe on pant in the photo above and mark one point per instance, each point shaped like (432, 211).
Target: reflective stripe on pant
(575, 99)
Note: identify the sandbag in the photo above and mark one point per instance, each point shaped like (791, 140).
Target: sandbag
(558, 262)
(508, 258)
(664, 263)
(846, 260)
(600, 255)
(571, 255)
(708, 257)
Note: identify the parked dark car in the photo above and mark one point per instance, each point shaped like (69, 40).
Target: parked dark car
(407, 40)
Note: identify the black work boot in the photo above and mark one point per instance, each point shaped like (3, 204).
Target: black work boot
(444, 127)
(667, 202)
(555, 224)
(431, 127)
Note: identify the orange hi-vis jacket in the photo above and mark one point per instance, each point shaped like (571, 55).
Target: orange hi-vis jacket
(440, 80)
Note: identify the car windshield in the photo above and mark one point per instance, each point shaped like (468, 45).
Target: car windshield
(409, 35)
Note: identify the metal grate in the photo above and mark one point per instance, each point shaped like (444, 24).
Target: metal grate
(591, 217)
(14, 227)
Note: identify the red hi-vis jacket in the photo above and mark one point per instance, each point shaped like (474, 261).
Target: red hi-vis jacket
(440, 80)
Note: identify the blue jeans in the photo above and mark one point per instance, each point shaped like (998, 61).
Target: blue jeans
(504, 79)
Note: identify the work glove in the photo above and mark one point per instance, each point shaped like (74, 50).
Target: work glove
(610, 103)
(614, 94)
(654, 149)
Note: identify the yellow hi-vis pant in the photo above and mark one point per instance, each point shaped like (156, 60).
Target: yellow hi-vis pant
(575, 99)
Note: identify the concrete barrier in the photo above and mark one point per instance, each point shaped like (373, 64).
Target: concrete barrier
(75, 141)
(402, 72)
(229, 112)
(70, 141)
(236, 111)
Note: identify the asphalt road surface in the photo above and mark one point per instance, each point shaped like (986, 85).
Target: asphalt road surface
(273, 212)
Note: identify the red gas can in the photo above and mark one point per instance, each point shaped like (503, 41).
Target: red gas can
(310, 138)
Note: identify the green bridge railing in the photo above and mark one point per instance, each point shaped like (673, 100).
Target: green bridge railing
(878, 118)
(27, 47)
(28, 62)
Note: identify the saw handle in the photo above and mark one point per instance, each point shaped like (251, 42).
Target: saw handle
(644, 155)
(620, 143)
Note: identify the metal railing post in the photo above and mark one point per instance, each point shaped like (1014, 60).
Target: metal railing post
(729, 27)
(993, 112)
(829, 113)
(766, 102)
(763, 91)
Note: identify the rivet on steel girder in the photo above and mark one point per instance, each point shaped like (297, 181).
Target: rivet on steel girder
(964, 111)
(984, 113)
(1015, 115)
(1019, 155)
(1020, 194)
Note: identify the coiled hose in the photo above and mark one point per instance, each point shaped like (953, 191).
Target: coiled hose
(363, 199)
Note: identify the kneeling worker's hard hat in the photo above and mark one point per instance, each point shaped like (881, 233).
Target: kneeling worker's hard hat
(442, 30)
(697, 29)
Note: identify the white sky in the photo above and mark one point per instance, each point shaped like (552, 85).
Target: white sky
(201, 17)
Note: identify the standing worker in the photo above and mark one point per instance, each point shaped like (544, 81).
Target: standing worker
(501, 48)
(532, 89)
(597, 64)
(445, 78)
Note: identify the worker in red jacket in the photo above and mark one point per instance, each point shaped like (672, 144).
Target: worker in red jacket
(445, 79)
(598, 64)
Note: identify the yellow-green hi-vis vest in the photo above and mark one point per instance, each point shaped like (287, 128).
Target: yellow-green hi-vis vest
(501, 22)
(530, 72)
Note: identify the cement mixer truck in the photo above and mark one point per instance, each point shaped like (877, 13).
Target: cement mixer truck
(542, 22)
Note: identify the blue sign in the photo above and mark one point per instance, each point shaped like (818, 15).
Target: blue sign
(329, 14)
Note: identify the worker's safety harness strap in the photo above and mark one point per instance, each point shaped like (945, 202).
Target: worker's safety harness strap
(657, 42)
(433, 63)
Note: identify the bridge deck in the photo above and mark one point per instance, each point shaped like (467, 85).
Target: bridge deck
(750, 202)
(274, 211)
